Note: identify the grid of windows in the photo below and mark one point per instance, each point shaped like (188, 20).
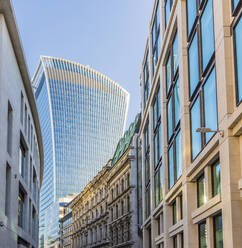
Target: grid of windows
(202, 79)
(173, 113)
(156, 37)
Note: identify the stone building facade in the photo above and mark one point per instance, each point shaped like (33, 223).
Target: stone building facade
(21, 153)
(191, 125)
(105, 213)
(66, 230)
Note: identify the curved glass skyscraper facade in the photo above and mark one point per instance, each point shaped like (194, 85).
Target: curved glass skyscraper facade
(82, 115)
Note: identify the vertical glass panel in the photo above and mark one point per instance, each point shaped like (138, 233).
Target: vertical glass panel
(158, 104)
(161, 183)
(147, 200)
(157, 183)
(155, 148)
(174, 212)
(175, 54)
(193, 65)
(147, 168)
(201, 190)
(195, 123)
(238, 38)
(171, 168)
(216, 178)
(218, 229)
(207, 37)
(191, 14)
(168, 74)
(177, 102)
(168, 10)
(202, 235)
(235, 3)
(160, 142)
(210, 104)
(178, 156)
(169, 117)
(155, 113)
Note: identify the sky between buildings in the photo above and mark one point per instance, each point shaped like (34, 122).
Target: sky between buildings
(107, 35)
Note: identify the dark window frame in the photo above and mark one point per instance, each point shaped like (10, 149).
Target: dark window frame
(202, 175)
(155, 42)
(234, 24)
(200, 94)
(217, 162)
(146, 79)
(199, 233)
(235, 9)
(214, 229)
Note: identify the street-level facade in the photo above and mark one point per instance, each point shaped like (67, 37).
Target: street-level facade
(21, 155)
(191, 125)
(105, 213)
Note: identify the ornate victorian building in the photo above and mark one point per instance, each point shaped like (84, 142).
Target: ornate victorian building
(105, 213)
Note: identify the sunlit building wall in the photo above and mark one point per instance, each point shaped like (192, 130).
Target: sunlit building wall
(83, 115)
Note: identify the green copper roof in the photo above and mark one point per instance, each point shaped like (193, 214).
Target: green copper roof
(125, 141)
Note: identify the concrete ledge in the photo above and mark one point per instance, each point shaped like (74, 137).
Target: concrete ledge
(175, 229)
(211, 207)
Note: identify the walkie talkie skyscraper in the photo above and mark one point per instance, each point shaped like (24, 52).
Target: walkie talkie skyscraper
(83, 115)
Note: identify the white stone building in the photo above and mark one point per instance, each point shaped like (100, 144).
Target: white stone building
(21, 153)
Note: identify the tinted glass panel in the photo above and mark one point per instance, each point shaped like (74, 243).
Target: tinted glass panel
(202, 235)
(177, 102)
(210, 104)
(238, 38)
(195, 123)
(193, 65)
(161, 187)
(235, 3)
(207, 37)
(171, 167)
(178, 155)
(216, 178)
(168, 73)
(218, 228)
(157, 183)
(160, 142)
(168, 10)
(201, 190)
(175, 54)
(170, 126)
(191, 14)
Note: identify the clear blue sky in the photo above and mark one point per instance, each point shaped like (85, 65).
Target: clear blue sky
(108, 35)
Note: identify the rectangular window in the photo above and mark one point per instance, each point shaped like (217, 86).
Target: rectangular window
(218, 231)
(174, 213)
(146, 79)
(238, 59)
(28, 128)
(147, 154)
(191, 15)
(21, 208)
(8, 190)
(175, 242)
(158, 186)
(22, 161)
(9, 129)
(25, 119)
(168, 7)
(156, 37)
(33, 223)
(157, 129)
(22, 108)
(202, 228)
(201, 197)
(216, 178)
(147, 202)
(204, 114)
(31, 138)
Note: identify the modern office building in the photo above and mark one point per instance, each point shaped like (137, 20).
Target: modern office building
(21, 154)
(83, 115)
(105, 213)
(191, 125)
